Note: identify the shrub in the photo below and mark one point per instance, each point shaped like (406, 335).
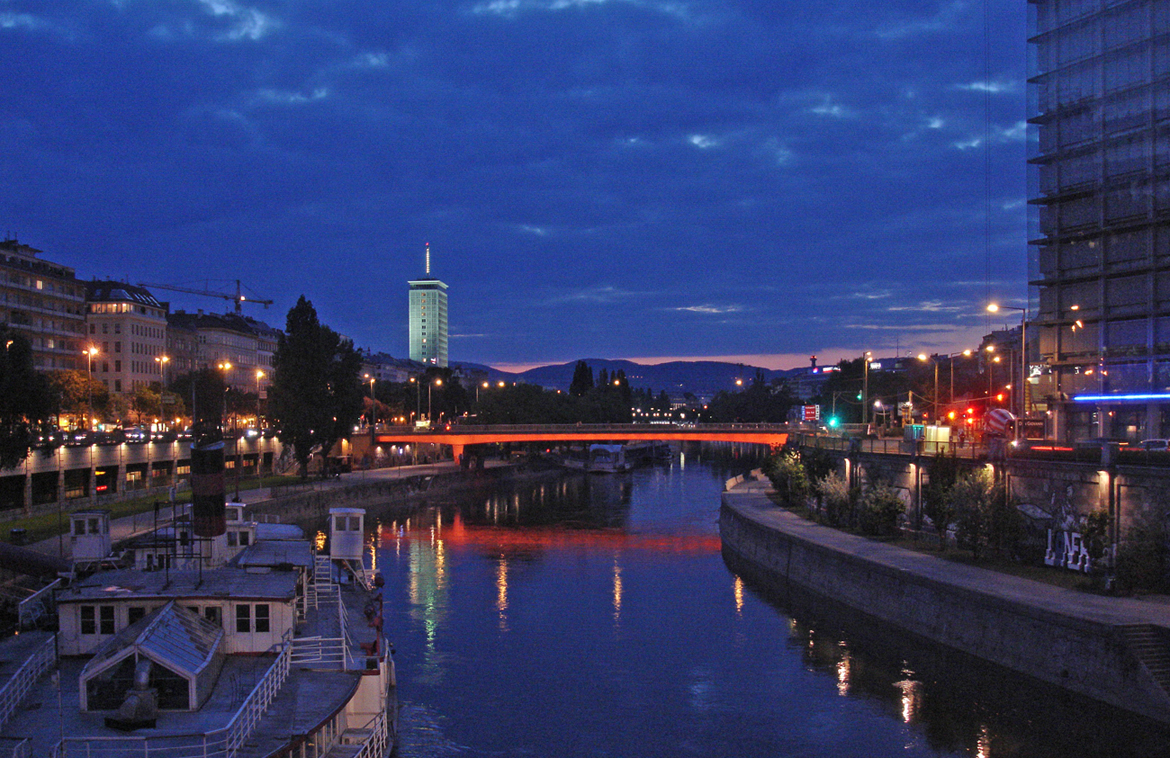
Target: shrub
(878, 510)
(984, 515)
(788, 478)
(1143, 558)
(837, 499)
(942, 473)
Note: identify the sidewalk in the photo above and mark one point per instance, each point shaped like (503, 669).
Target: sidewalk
(127, 527)
(752, 497)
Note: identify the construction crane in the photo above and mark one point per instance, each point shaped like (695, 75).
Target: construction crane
(239, 298)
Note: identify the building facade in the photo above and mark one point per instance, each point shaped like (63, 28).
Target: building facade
(428, 319)
(128, 327)
(1100, 227)
(226, 339)
(44, 303)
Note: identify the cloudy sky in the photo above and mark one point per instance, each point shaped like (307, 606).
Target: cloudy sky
(645, 179)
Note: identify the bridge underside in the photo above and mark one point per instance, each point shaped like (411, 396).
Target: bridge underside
(460, 440)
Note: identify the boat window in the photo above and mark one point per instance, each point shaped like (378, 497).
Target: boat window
(107, 619)
(243, 618)
(262, 617)
(88, 619)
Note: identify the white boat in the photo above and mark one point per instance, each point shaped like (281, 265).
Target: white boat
(266, 649)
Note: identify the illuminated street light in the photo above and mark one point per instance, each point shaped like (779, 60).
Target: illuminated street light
(89, 353)
(996, 308)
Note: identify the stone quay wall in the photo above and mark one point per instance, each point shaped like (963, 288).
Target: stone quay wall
(1086, 655)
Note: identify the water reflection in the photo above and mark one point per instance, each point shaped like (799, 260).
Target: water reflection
(578, 616)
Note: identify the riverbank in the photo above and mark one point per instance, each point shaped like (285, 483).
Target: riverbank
(1114, 650)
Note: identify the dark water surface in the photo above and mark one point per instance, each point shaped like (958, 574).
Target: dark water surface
(595, 616)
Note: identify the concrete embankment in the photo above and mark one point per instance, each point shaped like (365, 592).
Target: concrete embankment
(1113, 650)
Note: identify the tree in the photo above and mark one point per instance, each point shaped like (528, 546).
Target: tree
(316, 396)
(788, 478)
(25, 400)
(146, 402)
(73, 391)
(582, 379)
(942, 473)
(984, 515)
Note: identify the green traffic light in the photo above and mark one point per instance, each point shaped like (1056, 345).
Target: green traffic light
(858, 395)
(832, 421)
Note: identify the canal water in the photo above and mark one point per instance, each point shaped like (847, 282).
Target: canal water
(595, 616)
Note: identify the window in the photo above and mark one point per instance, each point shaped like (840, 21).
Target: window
(117, 347)
(135, 613)
(79, 527)
(231, 539)
(88, 623)
(243, 618)
(262, 617)
(243, 539)
(117, 328)
(106, 618)
(105, 328)
(93, 328)
(118, 366)
(213, 614)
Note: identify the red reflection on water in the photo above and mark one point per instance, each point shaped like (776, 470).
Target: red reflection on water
(459, 533)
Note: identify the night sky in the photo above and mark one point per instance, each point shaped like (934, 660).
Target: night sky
(647, 179)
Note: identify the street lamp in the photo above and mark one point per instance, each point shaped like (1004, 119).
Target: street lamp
(933, 359)
(225, 367)
(89, 353)
(437, 383)
(996, 308)
(259, 376)
(865, 389)
(417, 397)
(951, 361)
(372, 419)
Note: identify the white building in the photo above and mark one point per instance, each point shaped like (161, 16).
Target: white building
(428, 319)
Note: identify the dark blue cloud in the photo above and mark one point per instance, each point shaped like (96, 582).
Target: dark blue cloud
(601, 177)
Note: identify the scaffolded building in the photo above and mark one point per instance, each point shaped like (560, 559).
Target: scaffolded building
(1100, 226)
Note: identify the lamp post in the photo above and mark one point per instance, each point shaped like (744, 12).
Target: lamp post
(933, 359)
(90, 352)
(259, 423)
(996, 308)
(865, 389)
(224, 367)
(417, 397)
(951, 361)
(485, 386)
(437, 383)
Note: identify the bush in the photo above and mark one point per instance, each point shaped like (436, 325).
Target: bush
(942, 473)
(878, 510)
(984, 515)
(837, 499)
(788, 478)
(1143, 558)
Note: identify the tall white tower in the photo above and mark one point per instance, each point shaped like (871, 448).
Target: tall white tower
(428, 318)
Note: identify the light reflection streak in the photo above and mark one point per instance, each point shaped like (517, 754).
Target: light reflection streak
(911, 699)
(738, 596)
(983, 743)
(502, 592)
(617, 590)
(844, 667)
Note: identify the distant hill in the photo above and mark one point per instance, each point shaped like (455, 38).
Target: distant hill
(701, 378)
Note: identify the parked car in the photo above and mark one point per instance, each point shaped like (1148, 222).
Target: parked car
(136, 435)
(1156, 444)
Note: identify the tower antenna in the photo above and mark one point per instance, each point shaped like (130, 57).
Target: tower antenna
(428, 259)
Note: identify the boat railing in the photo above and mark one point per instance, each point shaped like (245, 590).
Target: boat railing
(221, 743)
(33, 607)
(375, 745)
(15, 689)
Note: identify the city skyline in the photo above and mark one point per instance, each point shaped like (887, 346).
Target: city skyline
(641, 180)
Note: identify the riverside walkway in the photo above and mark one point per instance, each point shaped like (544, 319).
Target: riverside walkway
(1112, 649)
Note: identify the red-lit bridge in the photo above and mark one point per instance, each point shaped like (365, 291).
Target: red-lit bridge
(458, 436)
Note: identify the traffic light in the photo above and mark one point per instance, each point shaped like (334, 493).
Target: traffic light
(858, 395)
(832, 422)
(951, 415)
